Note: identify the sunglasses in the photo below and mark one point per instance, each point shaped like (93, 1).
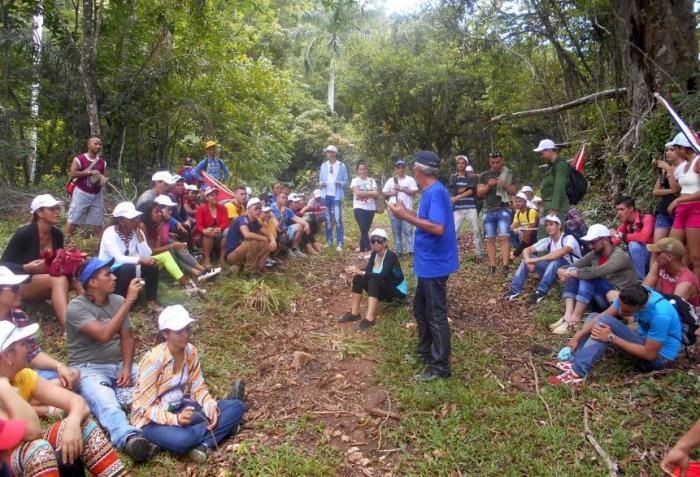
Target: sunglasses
(379, 240)
(13, 288)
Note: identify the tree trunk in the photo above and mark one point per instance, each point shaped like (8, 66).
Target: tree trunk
(331, 86)
(88, 62)
(37, 40)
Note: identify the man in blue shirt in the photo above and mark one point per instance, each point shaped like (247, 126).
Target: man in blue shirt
(212, 165)
(653, 346)
(435, 248)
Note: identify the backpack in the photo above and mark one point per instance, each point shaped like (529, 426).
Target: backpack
(576, 186)
(572, 255)
(688, 317)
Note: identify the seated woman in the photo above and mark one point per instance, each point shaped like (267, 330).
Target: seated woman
(32, 247)
(76, 437)
(211, 223)
(382, 279)
(172, 404)
(46, 366)
(152, 228)
(126, 244)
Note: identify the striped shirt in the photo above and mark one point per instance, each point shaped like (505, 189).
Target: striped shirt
(155, 379)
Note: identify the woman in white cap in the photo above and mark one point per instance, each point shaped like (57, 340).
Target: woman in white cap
(686, 207)
(32, 248)
(126, 243)
(172, 403)
(382, 279)
(77, 436)
(162, 250)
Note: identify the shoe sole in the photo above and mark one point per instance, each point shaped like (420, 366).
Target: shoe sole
(139, 450)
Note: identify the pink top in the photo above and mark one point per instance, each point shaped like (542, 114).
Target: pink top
(667, 284)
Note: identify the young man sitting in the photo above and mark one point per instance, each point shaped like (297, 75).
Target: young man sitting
(653, 346)
(669, 275)
(559, 250)
(291, 227)
(636, 230)
(248, 243)
(524, 226)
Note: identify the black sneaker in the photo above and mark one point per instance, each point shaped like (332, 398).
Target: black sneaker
(535, 298)
(348, 317)
(430, 375)
(365, 325)
(140, 449)
(237, 391)
(512, 296)
(506, 269)
(492, 270)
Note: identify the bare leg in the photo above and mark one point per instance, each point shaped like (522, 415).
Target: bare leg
(43, 287)
(579, 310)
(297, 238)
(505, 249)
(693, 244)
(491, 250)
(207, 245)
(569, 308)
(318, 246)
(356, 299)
(371, 308)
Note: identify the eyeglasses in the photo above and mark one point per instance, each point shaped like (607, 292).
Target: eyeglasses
(379, 240)
(13, 288)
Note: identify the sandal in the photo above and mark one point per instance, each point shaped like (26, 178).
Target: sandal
(565, 328)
(557, 323)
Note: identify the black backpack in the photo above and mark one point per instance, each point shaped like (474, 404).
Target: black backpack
(576, 186)
(689, 319)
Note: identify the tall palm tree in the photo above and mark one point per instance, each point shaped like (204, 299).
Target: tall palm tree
(329, 27)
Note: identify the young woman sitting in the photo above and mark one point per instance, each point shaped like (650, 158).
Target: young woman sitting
(382, 279)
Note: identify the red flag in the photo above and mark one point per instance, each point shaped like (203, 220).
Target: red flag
(685, 129)
(580, 159)
(224, 192)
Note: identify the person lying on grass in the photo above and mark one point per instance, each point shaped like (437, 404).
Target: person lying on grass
(653, 346)
(382, 279)
(172, 403)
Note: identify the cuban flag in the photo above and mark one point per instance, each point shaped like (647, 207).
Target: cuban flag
(580, 159)
(685, 129)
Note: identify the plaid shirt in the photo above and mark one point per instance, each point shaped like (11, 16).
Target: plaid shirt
(155, 378)
(20, 320)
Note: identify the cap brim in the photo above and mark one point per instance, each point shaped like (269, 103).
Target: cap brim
(653, 248)
(185, 322)
(15, 279)
(12, 433)
(539, 149)
(101, 264)
(20, 333)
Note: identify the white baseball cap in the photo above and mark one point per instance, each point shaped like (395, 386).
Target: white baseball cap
(8, 277)
(552, 218)
(379, 233)
(521, 195)
(537, 198)
(596, 231)
(330, 148)
(174, 317)
(296, 197)
(470, 169)
(462, 157)
(126, 210)
(165, 201)
(526, 189)
(10, 334)
(252, 202)
(44, 200)
(249, 190)
(317, 193)
(679, 140)
(163, 176)
(267, 208)
(545, 144)
(191, 187)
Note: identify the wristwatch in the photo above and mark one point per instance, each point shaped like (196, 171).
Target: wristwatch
(611, 338)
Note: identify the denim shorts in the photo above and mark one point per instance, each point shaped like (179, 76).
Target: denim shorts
(663, 221)
(497, 222)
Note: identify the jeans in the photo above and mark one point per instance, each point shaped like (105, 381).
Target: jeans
(127, 272)
(497, 222)
(364, 220)
(640, 258)
(180, 439)
(98, 387)
(430, 310)
(585, 290)
(403, 234)
(472, 217)
(589, 350)
(334, 213)
(547, 270)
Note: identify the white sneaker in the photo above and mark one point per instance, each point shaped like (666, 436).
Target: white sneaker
(208, 273)
(299, 253)
(339, 249)
(192, 289)
(291, 254)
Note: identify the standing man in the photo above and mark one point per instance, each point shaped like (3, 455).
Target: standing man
(333, 177)
(496, 185)
(401, 189)
(463, 191)
(212, 165)
(87, 203)
(436, 258)
(556, 175)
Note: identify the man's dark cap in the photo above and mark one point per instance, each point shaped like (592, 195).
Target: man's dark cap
(427, 158)
(495, 154)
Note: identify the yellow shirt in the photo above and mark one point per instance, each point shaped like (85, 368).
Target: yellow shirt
(233, 210)
(270, 226)
(25, 381)
(527, 219)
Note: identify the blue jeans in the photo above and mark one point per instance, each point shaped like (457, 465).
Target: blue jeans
(640, 258)
(98, 387)
(403, 235)
(586, 290)
(589, 350)
(430, 310)
(180, 439)
(334, 212)
(497, 222)
(547, 270)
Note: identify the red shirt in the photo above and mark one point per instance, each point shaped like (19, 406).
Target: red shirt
(667, 283)
(204, 219)
(641, 229)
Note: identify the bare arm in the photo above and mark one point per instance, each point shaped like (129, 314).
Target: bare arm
(17, 408)
(103, 331)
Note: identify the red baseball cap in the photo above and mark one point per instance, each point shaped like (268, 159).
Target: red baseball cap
(11, 433)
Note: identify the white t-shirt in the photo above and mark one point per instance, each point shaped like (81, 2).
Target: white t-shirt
(365, 185)
(405, 181)
(543, 246)
(332, 176)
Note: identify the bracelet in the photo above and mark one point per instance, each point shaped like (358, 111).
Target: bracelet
(130, 300)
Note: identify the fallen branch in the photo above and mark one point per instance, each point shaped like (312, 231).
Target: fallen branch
(537, 389)
(609, 93)
(377, 412)
(612, 466)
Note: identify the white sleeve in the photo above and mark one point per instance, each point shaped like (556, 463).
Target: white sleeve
(142, 247)
(542, 245)
(353, 182)
(388, 186)
(111, 246)
(412, 184)
(569, 241)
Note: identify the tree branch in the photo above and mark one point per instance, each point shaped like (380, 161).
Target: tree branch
(610, 93)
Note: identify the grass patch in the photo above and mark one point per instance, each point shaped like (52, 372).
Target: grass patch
(286, 459)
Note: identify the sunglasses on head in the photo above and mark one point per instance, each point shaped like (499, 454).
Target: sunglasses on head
(379, 240)
(14, 288)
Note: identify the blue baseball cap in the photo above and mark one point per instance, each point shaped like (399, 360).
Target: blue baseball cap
(91, 267)
(427, 159)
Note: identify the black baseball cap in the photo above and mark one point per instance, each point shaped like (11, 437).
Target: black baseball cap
(427, 158)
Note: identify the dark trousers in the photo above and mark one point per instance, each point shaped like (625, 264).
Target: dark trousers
(364, 220)
(430, 310)
(127, 272)
(377, 288)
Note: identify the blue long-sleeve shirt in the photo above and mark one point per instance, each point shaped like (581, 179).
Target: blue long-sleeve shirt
(341, 179)
(215, 167)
